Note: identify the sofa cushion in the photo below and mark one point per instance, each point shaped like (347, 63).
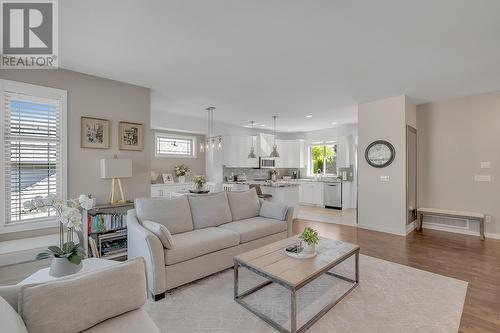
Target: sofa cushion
(10, 319)
(133, 321)
(192, 244)
(174, 213)
(161, 232)
(209, 210)
(77, 303)
(273, 210)
(244, 205)
(255, 228)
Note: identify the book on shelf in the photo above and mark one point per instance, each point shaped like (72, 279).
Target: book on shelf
(103, 222)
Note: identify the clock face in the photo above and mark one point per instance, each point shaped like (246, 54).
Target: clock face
(380, 154)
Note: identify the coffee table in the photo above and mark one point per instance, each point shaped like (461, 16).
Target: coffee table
(272, 263)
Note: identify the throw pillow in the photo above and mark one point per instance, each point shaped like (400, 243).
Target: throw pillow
(161, 232)
(273, 210)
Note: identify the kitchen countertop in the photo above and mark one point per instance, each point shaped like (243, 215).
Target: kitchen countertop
(280, 183)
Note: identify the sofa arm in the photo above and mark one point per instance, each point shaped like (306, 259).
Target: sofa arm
(143, 243)
(289, 221)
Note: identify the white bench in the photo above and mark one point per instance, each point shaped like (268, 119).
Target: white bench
(451, 213)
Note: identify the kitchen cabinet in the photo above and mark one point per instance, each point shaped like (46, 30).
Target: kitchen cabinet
(236, 149)
(164, 190)
(311, 193)
(266, 144)
(291, 154)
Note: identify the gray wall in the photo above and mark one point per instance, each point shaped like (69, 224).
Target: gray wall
(454, 137)
(94, 96)
(382, 206)
(167, 164)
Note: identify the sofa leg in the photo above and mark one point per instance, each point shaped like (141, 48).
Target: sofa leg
(159, 296)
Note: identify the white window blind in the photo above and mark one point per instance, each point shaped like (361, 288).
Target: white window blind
(32, 153)
(175, 146)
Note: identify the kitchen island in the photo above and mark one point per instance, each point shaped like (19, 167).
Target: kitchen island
(285, 192)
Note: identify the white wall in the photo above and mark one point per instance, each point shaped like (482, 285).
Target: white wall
(382, 206)
(93, 96)
(454, 137)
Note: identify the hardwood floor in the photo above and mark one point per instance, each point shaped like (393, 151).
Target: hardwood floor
(459, 256)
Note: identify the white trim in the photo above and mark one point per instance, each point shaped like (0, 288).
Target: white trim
(176, 136)
(45, 92)
(425, 225)
(386, 230)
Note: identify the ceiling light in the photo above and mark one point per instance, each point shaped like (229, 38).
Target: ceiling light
(274, 153)
(262, 125)
(252, 149)
(309, 116)
(334, 123)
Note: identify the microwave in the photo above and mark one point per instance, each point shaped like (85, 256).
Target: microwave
(267, 163)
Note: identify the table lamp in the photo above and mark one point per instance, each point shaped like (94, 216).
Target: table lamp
(115, 169)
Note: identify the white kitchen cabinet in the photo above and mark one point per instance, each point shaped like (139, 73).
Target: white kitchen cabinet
(236, 150)
(291, 154)
(311, 193)
(266, 144)
(164, 190)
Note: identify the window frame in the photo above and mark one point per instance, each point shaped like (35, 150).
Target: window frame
(310, 172)
(175, 136)
(44, 92)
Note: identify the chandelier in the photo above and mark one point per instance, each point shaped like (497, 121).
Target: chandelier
(212, 142)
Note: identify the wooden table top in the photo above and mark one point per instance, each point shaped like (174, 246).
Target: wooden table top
(272, 260)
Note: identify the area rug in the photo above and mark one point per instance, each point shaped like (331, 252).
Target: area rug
(389, 298)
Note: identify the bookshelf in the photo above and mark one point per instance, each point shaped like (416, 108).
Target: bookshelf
(104, 230)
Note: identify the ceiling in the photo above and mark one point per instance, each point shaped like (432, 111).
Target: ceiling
(255, 58)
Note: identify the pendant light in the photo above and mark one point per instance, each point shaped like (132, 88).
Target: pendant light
(212, 141)
(252, 149)
(274, 153)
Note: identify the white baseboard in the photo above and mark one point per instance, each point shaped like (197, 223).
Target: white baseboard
(386, 230)
(410, 227)
(459, 231)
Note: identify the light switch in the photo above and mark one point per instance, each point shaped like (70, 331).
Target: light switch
(384, 179)
(487, 219)
(482, 178)
(486, 165)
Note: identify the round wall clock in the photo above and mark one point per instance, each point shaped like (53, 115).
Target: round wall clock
(380, 154)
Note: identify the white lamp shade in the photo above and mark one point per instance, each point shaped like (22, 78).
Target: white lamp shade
(116, 168)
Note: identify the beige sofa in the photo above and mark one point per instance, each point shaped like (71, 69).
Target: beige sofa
(207, 232)
(103, 301)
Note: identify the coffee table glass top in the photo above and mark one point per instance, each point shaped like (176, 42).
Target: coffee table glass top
(273, 261)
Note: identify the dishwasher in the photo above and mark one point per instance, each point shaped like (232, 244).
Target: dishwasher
(333, 195)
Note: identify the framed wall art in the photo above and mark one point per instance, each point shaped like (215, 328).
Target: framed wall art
(94, 133)
(130, 136)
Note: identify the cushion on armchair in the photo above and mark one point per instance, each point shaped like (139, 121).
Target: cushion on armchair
(273, 210)
(10, 320)
(161, 232)
(244, 205)
(78, 303)
(174, 213)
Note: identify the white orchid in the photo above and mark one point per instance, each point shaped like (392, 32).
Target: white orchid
(85, 201)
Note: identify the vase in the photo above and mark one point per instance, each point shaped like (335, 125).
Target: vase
(309, 248)
(62, 267)
(182, 179)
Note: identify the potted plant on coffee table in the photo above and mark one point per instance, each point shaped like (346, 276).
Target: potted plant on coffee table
(67, 257)
(310, 238)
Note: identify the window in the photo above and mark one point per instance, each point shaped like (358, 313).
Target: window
(167, 145)
(33, 148)
(323, 159)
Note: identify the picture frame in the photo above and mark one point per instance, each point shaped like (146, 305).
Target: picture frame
(94, 133)
(168, 178)
(130, 136)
